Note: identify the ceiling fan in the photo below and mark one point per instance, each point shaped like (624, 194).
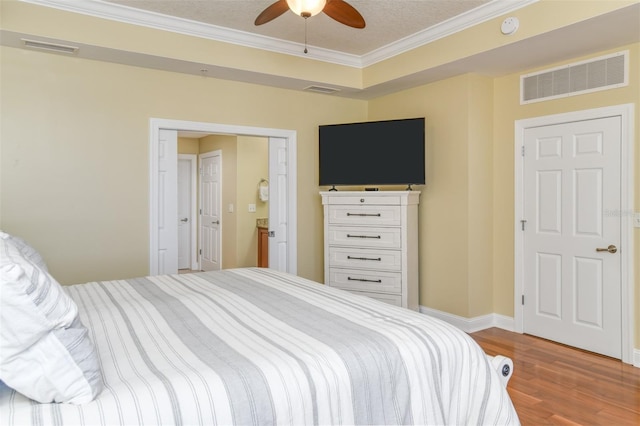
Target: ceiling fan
(339, 10)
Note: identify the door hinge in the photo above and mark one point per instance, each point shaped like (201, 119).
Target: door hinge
(522, 150)
(200, 252)
(200, 211)
(523, 299)
(523, 222)
(272, 234)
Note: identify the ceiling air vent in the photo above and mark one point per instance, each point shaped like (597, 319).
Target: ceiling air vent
(321, 89)
(602, 73)
(52, 47)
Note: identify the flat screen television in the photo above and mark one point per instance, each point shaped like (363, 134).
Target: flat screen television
(390, 152)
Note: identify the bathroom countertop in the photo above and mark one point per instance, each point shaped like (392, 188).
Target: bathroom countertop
(262, 222)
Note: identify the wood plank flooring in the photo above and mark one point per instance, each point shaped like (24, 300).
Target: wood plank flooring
(559, 385)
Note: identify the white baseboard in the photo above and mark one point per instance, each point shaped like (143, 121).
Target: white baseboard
(470, 325)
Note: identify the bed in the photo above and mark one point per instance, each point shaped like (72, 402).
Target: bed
(257, 346)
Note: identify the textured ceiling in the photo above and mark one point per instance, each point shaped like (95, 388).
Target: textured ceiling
(387, 20)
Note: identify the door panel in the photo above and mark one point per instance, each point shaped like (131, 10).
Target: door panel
(571, 177)
(210, 199)
(167, 202)
(278, 204)
(184, 214)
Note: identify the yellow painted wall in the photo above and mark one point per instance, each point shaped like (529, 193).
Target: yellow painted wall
(443, 218)
(456, 203)
(76, 184)
(188, 146)
(480, 195)
(253, 166)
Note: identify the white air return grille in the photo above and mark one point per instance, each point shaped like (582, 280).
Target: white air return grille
(52, 47)
(321, 89)
(602, 73)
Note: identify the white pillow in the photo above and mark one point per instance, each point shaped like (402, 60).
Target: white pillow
(27, 251)
(45, 351)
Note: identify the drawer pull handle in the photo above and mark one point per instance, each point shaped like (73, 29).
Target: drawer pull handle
(364, 214)
(364, 236)
(377, 259)
(363, 280)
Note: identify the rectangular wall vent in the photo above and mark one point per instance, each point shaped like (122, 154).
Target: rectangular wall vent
(602, 73)
(321, 89)
(53, 47)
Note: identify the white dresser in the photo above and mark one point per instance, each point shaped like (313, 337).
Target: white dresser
(371, 244)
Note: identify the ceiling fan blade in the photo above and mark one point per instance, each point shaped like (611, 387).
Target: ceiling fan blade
(344, 13)
(272, 12)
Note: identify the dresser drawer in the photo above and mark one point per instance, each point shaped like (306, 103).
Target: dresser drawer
(364, 215)
(364, 199)
(345, 257)
(371, 281)
(365, 236)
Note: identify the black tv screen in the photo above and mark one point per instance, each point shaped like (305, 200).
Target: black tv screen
(388, 152)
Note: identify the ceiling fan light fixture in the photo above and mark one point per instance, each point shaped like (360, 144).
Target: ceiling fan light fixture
(306, 8)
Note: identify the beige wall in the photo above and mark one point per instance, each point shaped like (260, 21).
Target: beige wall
(253, 165)
(188, 146)
(455, 205)
(76, 184)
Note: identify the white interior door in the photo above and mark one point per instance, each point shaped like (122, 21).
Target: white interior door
(186, 166)
(210, 205)
(572, 201)
(166, 227)
(278, 204)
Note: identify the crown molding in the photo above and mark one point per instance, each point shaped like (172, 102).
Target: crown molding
(458, 23)
(129, 15)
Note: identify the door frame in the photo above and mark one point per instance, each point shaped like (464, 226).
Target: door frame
(290, 136)
(626, 113)
(214, 153)
(193, 208)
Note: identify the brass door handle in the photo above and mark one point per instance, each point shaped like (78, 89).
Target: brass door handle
(610, 249)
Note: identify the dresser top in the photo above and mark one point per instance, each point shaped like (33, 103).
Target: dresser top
(402, 197)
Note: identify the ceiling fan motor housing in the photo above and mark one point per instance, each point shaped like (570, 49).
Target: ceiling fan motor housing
(306, 8)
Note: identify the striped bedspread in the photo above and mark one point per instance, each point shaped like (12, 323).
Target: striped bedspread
(255, 346)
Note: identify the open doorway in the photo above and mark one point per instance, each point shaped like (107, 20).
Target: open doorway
(233, 203)
(282, 210)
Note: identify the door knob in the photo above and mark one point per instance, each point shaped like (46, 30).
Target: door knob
(610, 249)
(184, 220)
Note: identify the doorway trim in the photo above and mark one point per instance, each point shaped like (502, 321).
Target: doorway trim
(626, 113)
(290, 137)
(193, 208)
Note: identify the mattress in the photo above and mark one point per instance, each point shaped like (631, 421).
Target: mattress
(257, 346)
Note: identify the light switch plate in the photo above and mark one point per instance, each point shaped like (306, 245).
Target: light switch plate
(252, 208)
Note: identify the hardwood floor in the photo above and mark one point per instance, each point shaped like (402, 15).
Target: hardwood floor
(557, 384)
